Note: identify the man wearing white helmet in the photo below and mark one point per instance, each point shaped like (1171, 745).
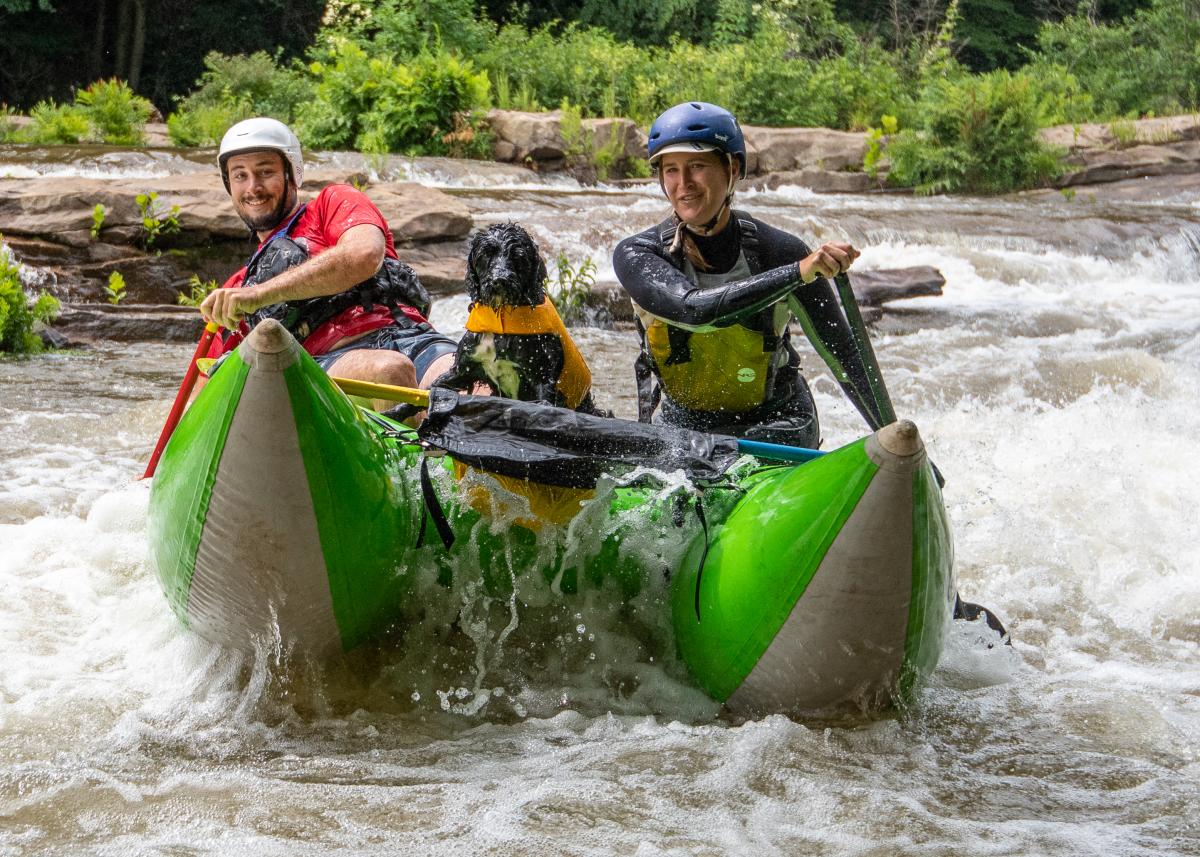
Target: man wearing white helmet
(327, 269)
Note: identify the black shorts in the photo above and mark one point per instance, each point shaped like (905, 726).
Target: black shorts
(420, 343)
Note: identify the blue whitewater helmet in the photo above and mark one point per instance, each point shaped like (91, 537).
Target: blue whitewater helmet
(696, 126)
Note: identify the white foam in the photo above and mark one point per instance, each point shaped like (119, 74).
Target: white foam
(1054, 387)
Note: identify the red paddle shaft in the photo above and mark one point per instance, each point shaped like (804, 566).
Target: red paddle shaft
(185, 390)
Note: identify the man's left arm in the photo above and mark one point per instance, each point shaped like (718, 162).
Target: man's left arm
(357, 256)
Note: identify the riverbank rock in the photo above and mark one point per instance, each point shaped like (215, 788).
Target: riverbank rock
(815, 179)
(777, 150)
(1089, 167)
(48, 221)
(85, 323)
(1161, 130)
(537, 140)
(1102, 153)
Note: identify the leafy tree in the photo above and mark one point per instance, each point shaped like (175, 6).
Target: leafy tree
(734, 23)
(995, 33)
(404, 28)
(1147, 63)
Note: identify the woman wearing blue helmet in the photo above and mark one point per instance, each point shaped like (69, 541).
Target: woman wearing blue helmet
(711, 289)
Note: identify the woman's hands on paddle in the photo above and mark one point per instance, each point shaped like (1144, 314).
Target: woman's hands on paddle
(828, 260)
(227, 307)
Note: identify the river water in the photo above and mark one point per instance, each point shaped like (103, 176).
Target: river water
(1055, 384)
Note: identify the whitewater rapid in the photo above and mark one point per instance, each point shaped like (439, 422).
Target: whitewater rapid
(1055, 385)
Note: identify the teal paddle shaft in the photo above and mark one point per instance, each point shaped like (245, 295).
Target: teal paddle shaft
(777, 451)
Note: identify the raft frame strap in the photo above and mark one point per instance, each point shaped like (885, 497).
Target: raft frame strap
(433, 509)
(704, 554)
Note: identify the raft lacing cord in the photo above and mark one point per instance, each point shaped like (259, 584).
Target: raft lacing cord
(434, 509)
(704, 554)
(677, 516)
(389, 430)
(432, 505)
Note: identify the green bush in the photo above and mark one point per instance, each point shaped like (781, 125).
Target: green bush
(850, 90)
(587, 66)
(571, 287)
(98, 214)
(55, 124)
(402, 29)
(8, 128)
(1061, 98)
(157, 220)
(18, 311)
(765, 80)
(233, 88)
(198, 290)
(107, 111)
(116, 115)
(205, 125)
(1148, 63)
(376, 105)
(977, 134)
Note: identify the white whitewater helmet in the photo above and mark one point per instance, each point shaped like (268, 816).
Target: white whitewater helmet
(256, 135)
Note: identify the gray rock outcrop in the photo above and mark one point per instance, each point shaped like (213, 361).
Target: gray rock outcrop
(777, 150)
(88, 322)
(1102, 153)
(537, 140)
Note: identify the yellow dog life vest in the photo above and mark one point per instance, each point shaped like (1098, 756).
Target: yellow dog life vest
(546, 502)
(576, 378)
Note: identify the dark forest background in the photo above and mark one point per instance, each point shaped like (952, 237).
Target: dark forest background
(48, 48)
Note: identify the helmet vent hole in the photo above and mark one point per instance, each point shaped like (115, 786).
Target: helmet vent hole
(696, 127)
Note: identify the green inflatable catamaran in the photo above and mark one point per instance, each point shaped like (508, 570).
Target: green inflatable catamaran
(281, 511)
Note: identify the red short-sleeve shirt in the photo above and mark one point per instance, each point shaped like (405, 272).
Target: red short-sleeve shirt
(336, 209)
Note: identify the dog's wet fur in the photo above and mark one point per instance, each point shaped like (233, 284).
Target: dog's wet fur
(504, 268)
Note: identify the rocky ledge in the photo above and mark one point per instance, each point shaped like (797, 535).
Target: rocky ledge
(827, 161)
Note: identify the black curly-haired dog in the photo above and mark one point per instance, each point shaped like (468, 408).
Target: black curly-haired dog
(515, 342)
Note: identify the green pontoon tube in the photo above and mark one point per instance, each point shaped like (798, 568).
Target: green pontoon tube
(283, 514)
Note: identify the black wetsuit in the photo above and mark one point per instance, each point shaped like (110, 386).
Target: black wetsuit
(656, 281)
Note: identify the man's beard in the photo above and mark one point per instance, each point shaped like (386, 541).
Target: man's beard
(273, 218)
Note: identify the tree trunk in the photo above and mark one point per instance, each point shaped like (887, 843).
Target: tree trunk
(137, 49)
(96, 64)
(121, 60)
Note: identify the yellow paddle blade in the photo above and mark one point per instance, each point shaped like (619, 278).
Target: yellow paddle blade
(205, 364)
(367, 390)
